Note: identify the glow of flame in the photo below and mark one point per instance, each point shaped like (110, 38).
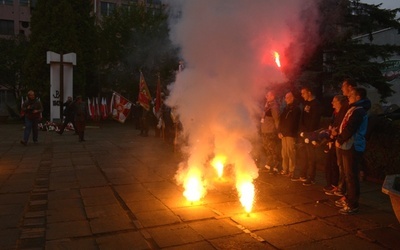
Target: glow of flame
(194, 189)
(277, 60)
(218, 163)
(246, 195)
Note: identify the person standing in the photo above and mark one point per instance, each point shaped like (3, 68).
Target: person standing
(69, 115)
(332, 169)
(269, 135)
(351, 138)
(287, 132)
(80, 117)
(32, 109)
(309, 122)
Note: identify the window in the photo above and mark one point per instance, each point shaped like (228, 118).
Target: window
(24, 2)
(6, 27)
(7, 2)
(106, 8)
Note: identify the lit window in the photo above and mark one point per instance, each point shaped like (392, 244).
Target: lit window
(7, 2)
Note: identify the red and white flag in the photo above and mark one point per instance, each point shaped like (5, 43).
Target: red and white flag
(91, 109)
(103, 108)
(120, 107)
(144, 93)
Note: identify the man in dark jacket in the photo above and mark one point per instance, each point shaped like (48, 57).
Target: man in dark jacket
(287, 132)
(32, 108)
(309, 122)
(69, 115)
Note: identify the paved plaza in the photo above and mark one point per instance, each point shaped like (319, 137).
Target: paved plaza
(117, 191)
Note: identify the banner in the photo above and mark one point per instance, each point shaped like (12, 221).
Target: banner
(120, 107)
(144, 93)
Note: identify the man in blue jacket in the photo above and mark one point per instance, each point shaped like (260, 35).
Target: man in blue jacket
(351, 139)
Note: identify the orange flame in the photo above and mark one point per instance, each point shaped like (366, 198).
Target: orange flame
(277, 60)
(218, 163)
(246, 194)
(194, 188)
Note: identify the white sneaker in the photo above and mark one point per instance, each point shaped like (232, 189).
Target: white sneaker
(267, 167)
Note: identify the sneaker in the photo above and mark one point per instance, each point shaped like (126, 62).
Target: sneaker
(308, 183)
(283, 172)
(332, 191)
(295, 178)
(348, 210)
(341, 202)
(303, 179)
(338, 193)
(328, 188)
(267, 167)
(23, 142)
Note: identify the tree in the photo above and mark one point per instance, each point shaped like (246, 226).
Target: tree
(61, 26)
(339, 56)
(135, 38)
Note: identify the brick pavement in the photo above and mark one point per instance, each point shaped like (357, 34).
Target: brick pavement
(117, 191)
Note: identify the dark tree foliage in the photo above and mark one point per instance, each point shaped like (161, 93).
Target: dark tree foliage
(135, 38)
(61, 26)
(338, 55)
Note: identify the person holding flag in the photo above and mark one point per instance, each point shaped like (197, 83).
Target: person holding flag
(144, 99)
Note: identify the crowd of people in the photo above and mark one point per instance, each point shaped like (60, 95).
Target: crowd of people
(292, 138)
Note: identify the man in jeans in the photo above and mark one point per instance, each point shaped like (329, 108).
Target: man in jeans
(32, 108)
(351, 138)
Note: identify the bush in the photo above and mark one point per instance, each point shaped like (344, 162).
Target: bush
(383, 146)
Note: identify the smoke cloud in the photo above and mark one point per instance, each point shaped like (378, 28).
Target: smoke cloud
(228, 51)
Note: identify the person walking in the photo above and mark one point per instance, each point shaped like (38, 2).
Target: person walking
(269, 135)
(32, 108)
(80, 111)
(287, 132)
(69, 115)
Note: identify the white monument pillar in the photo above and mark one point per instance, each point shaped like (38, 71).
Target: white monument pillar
(67, 62)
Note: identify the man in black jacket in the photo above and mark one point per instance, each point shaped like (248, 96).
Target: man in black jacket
(69, 115)
(287, 132)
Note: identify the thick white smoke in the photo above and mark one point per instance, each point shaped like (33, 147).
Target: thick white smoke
(228, 50)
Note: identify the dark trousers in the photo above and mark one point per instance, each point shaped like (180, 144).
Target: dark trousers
(331, 167)
(31, 125)
(272, 149)
(80, 129)
(309, 168)
(352, 181)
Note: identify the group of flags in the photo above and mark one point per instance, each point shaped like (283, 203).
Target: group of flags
(119, 106)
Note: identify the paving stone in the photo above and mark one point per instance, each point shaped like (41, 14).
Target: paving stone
(104, 211)
(122, 241)
(318, 230)
(194, 213)
(9, 238)
(146, 205)
(204, 245)
(35, 232)
(283, 237)
(86, 244)
(174, 235)
(350, 242)
(351, 223)
(110, 224)
(213, 228)
(318, 209)
(245, 241)
(157, 218)
(65, 214)
(67, 229)
(386, 236)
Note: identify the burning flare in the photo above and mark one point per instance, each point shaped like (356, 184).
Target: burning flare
(277, 60)
(218, 163)
(246, 195)
(194, 188)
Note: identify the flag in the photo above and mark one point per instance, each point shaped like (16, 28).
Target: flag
(158, 96)
(144, 93)
(91, 108)
(97, 107)
(120, 107)
(103, 108)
